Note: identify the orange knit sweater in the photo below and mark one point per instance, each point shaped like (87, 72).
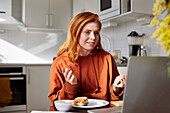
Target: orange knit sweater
(95, 72)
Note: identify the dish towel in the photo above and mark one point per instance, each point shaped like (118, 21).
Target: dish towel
(5, 92)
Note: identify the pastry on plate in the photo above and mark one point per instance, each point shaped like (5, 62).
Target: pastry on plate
(80, 101)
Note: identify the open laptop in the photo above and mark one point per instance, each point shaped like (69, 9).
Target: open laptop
(147, 87)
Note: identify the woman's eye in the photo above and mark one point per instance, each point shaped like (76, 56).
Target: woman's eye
(87, 32)
(96, 32)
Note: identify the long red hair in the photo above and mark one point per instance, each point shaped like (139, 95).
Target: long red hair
(76, 25)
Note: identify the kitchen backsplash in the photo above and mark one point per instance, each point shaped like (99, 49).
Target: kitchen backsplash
(46, 45)
(119, 38)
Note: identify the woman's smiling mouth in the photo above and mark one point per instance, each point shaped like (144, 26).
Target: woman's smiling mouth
(90, 43)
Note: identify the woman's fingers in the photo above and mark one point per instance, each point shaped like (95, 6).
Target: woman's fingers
(72, 78)
(120, 81)
(66, 73)
(69, 76)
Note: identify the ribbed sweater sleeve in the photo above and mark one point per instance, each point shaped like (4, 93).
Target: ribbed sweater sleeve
(59, 88)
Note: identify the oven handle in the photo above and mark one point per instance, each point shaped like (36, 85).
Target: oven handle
(28, 75)
(17, 78)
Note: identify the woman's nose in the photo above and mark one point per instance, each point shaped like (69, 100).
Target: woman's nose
(92, 36)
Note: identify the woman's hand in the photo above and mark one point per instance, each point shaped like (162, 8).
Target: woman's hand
(69, 76)
(119, 83)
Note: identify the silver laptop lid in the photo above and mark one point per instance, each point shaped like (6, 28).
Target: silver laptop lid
(147, 87)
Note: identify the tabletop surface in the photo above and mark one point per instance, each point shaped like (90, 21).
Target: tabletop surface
(99, 110)
(113, 107)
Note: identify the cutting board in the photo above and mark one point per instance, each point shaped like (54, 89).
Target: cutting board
(116, 103)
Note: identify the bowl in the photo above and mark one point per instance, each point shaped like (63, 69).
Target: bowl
(63, 105)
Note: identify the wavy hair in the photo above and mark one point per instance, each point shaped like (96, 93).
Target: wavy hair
(76, 25)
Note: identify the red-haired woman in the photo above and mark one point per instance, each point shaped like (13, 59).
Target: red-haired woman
(82, 67)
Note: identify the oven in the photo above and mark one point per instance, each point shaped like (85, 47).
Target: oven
(13, 86)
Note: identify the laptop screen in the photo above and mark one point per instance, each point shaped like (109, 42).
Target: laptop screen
(147, 88)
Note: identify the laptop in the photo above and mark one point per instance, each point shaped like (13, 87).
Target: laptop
(147, 88)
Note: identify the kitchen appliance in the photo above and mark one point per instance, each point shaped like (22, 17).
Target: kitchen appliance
(17, 79)
(135, 43)
(108, 8)
(10, 12)
(142, 51)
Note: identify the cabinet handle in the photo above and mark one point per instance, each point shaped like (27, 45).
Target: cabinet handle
(47, 20)
(51, 20)
(28, 75)
(18, 78)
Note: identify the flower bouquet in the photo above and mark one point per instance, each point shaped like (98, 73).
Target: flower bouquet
(162, 26)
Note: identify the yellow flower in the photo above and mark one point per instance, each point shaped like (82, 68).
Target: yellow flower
(162, 31)
(168, 5)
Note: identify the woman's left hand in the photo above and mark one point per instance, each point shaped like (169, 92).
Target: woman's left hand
(119, 83)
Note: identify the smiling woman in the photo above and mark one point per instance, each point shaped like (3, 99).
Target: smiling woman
(83, 68)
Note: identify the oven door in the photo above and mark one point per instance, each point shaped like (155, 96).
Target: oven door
(17, 88)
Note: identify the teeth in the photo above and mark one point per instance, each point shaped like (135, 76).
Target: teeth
(90, 43)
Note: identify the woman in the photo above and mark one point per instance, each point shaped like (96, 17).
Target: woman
(82, 67)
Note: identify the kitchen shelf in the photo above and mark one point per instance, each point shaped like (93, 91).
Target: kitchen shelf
(40, 30)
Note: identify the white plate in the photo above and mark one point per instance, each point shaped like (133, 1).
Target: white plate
(94, 103)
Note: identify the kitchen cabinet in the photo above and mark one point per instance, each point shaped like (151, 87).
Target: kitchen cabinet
(51, 14)
(10, 13)
(37, 87)
(85, 5)
(10, 9)
(132, 10)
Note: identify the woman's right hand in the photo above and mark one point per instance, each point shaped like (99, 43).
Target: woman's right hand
(119, 83)
(69, 76)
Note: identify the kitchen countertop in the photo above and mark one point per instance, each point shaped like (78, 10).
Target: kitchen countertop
(121, 65)
(47, 63)
(23, 64)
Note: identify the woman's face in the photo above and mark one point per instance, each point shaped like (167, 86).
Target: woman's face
(89, 37)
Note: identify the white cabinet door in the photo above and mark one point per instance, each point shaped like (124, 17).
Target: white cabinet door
(37, 87)
(61, 13)
(48, 13)
(92, 6)
(78, 6)
(35, 13)
(85, 5)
